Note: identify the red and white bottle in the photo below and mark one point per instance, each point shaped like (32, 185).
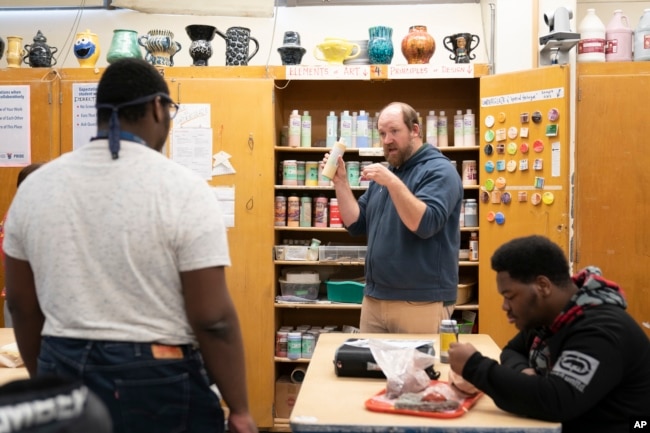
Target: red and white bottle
(591, 46)
(620, 38)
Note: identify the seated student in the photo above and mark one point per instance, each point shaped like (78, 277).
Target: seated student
(579, 358)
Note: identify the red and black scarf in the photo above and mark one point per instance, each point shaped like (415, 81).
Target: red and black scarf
(593, 290)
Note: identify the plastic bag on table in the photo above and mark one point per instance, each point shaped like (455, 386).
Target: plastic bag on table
(404, 367)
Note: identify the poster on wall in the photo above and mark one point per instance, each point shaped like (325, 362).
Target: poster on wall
(15, 135)
(84, 113)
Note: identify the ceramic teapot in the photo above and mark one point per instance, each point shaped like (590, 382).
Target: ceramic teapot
(40, 54)
(238, 40)
(335, 50)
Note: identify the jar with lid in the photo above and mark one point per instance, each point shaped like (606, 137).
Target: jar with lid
(448, 334)
(293, 211)
(320, 211)
(294, 345)
(305, 211)
(471, 213)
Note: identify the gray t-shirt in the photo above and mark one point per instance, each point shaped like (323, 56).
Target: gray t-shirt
(106, 240)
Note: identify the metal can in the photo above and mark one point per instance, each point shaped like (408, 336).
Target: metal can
(307, 345)
(293, 211)
(281, 344)
(471, 213)
(320, 211)
(363, 181)
(300, 172)
(290, 172)
(352, 169)
(294, 345)
(311, 173)
(305, 211)
(280, 211)
(470, 176)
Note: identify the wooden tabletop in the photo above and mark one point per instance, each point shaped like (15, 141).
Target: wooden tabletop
(327, 403)
(8, 374)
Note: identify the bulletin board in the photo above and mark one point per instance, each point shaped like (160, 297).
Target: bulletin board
(523, 170)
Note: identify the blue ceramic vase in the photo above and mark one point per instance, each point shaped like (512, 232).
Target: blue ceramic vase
(380, 45)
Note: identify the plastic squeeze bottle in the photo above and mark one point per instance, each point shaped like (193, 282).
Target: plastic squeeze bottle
(332, 162)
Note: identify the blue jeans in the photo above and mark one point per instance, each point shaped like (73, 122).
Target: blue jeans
(142, 393)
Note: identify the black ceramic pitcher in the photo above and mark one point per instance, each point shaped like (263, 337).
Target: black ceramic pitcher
(238, 41)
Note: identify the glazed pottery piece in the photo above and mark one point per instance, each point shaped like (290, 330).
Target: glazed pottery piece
(380, 45)
(40, 54)
(201, 46)
(291, 52)
(238, 40)
(418, 45)
(362, 59)
(123, 45)
(15, 51)
(2, 47)
(160, 46)
(335, 50)
(461, 45)
(86, 49)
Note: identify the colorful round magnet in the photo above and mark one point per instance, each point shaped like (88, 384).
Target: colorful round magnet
(538, 146)
(489, 185)
(523, 147)
(500, 182)
(489, 166)
(489, 121)
(485, 197)
(536, 198)
(513, 132)
(488, 149)
(506, 198)
(511, 166)
(512, 148)
(489, 135)
(548, 198)
(501, 117)
(537, 117)
(553, 114)
(490, 216)
(500, 218)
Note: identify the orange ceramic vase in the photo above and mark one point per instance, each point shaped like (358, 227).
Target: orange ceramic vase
(418, 45)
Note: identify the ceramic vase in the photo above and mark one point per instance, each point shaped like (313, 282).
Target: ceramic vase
(201, 47)
(123, 45)
(418, 45)
(461, 46)
(238, 40)
(291, 52)
(86, 49)
(40, 54)
(2, 47)
(15, 51)
(160, 46)
(380, 45)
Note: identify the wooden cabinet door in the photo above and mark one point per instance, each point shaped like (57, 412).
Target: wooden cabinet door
(44, 129)
(506, 97)
(612, 202)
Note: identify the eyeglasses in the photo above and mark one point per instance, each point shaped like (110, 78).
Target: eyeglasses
(171, 105)
(164, 98)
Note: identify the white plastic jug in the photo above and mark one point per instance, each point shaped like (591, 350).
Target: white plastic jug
(620, 37)
(642, 37)
(591, 46)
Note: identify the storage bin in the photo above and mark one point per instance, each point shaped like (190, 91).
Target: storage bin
(342, 254)
(345, 291)
(465, 328)
(302, 290)
(291, 252)
(465, 292)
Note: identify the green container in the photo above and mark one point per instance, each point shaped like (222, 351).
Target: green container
(345, 291)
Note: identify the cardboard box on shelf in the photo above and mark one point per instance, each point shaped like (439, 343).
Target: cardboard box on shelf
(286, 393)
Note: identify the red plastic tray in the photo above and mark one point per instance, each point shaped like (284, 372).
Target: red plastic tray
(379, 403)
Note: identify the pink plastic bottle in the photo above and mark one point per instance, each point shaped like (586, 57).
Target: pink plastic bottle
(620, 38)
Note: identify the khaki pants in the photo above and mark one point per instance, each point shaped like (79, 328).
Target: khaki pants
(380, 316)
